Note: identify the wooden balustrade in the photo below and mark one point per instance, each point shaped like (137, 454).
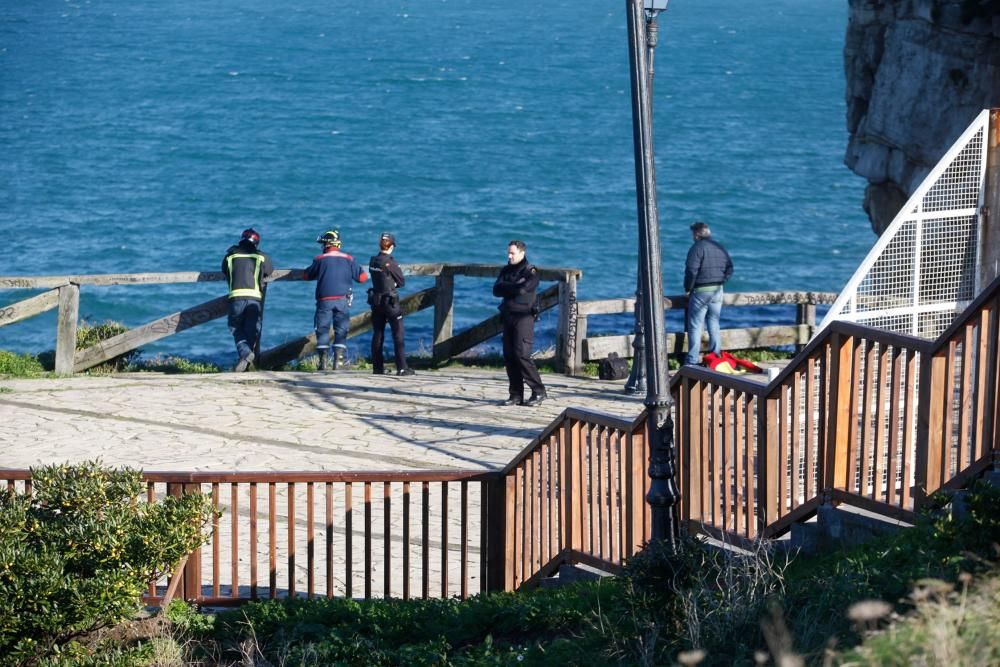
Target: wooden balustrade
(359, 534)
(65, 294)
(576, 494)
(876, 419)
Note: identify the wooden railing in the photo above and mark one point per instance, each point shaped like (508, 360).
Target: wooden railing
(864, 416)
(360, 534)
(575, 494)
(600, 347)
(64, 294)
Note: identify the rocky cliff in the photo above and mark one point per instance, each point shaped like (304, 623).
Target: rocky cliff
(918, 72)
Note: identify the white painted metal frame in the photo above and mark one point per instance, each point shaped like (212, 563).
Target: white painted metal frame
(924, 268)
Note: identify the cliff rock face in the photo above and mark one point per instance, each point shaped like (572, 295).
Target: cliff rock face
(918, 72)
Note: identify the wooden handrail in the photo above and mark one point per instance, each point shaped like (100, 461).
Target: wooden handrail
(589, 416)
(337, 476)
(43, 282)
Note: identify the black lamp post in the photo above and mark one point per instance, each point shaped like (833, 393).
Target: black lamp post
(636, 382)
(663, 495)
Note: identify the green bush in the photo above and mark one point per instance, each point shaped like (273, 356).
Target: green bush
(77, 554)
(20, 365)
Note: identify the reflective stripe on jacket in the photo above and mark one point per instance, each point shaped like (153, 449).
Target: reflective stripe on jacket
(245, 269)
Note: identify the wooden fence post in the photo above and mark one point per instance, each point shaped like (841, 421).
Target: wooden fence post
(805, 320)
(568, 360)
(69, 313)
(444, 312)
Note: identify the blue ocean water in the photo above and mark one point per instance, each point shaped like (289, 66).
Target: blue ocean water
(141, 137)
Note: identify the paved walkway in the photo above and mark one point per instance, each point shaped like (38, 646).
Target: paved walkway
(348, 420)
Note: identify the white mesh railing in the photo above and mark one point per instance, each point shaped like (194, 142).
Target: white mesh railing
(923, 269)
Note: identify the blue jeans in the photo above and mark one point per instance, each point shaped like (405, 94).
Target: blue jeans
(244, 324)
(702, 306)
(333, 311)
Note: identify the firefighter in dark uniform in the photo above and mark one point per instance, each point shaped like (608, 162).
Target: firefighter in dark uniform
(383, 298)
(516, 285)
(245, 268)
(335, 273)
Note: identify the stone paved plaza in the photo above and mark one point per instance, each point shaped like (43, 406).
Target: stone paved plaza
(346, 420)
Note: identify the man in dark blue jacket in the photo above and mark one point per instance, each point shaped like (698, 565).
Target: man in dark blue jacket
(245, 268)
(335, 273)
(707, 270)
(516, 285)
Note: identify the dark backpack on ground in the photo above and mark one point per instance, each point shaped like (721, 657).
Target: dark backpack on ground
(613, 368)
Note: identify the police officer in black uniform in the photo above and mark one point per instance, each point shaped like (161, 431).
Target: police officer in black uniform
(516, 285)
(383, 297)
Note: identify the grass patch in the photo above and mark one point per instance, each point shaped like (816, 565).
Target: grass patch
(88, 335)
(949, 626)
(174, 365)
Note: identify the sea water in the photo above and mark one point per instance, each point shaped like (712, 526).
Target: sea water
(143, 137)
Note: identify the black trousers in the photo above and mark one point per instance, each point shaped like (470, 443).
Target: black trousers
(379, 319)
(518, 337)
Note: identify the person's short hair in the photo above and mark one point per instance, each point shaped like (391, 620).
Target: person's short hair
(520, 245)
(701, 230)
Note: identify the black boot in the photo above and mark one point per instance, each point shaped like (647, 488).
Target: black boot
(322, 360)
(338, 359)
(514, 400)
(536, 399)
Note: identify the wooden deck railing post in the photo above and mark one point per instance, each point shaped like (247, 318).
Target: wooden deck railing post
(191, 573)
(444, 313)
(931, 403)
(498, 568)
(69, 313)
(842, 370)
(767, 460)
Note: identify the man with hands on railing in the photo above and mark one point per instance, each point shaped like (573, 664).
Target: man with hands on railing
(335, 272)
(245, 268)
(516, 285)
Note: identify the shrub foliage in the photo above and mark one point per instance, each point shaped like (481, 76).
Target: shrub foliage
(76, 554)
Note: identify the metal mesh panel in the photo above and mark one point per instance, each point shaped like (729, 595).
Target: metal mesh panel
(948, 260)
(958, 186)
(922, 272)
(930, 325)
(889, 283)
